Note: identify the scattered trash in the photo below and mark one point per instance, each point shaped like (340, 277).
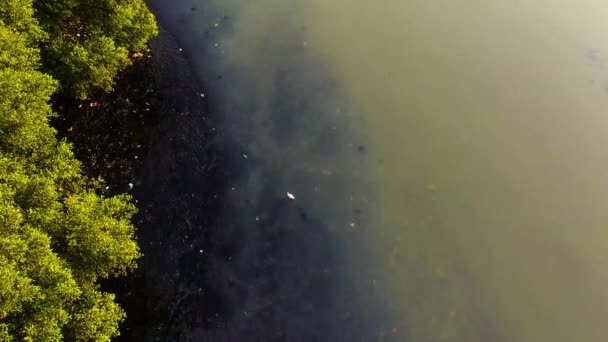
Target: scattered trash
(202, 95)
(136, 157)
(107, 187)
(138, 146)
(245, 156)
(291, 196)
(131, 186)
(257, 218)
(200, 251)
(180, 49)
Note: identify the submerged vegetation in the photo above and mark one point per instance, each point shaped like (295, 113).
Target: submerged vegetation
(59, 237)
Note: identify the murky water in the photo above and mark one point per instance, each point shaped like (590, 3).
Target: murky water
(457, 151)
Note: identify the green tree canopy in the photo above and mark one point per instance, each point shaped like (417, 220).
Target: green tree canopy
(89, 41)
(58, 238)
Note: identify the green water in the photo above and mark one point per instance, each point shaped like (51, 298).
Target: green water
(487, 136)
(492, 122)
(491, 119)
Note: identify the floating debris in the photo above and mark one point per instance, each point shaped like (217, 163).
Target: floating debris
(291, 196)
(131, 186)
(245, 156)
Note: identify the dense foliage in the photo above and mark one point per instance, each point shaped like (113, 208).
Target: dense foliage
(58, 238)
(87, 42)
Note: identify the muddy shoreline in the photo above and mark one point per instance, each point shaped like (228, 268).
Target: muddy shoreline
(150, 138)
(177, 190)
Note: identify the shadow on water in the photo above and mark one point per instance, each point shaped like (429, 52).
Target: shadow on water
(227, 256)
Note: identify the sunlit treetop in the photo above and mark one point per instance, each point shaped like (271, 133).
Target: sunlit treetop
(58, 238)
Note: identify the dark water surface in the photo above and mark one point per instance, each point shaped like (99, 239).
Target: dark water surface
(448, 160)
(232, 257)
